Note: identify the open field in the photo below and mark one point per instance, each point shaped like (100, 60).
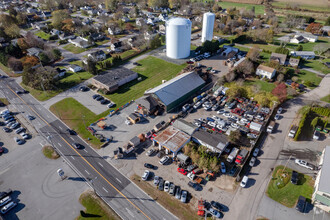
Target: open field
(263, 85)
(320, 5)
(317, 65)
(288, 195)
(43, 35)
(305, 76)
(259, 9)
(73, 49)
(95, 208)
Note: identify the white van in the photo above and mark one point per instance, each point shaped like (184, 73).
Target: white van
(244, 181)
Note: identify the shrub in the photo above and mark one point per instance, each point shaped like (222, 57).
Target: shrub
(62, 41)
(53, 37)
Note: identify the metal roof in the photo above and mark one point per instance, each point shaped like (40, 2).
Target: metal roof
(215, 140)
(324, 185)
(111, 77)
(177, 87)
(184, 126)
(172, 139)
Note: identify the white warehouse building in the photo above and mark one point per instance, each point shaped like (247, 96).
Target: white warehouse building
(178, 36)
(208, 25)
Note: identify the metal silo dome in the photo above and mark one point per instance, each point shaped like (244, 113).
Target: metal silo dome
(208, 25)
(178, 35)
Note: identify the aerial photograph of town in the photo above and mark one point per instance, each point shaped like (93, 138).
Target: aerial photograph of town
(164, 109)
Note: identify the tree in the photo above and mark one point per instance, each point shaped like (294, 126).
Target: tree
(246, 68)
(214, 164)
(33, 41)
(280, 77)
(155, 42)
(22, 44)
(327, 22)
(12, 11)
(58, 17)
(57, 54)
(282, 50)
(91, 66)
(314, 122)
(300, 47)
(314, 28)
(14, 51)
(174, 3)
(280, 92)
(111, 4)
(7, 20)
(21, 19)
(68, 25)
(235, 136)
(44, 58)
(30, 61)
(216, 8)
(42, 78)
(15, 64)
(230, 76)
(157, 3)
(3, 58)
(12, 31)
(253, 54)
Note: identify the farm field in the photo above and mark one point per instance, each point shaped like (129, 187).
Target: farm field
(259, 9)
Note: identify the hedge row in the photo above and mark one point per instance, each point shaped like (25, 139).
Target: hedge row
(301, 124)
(321, 111)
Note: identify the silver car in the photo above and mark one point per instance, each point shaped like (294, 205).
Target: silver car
(252, 161)
(184, 195)
(178, 192)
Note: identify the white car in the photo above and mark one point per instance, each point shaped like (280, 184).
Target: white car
(252, 161)
(256, 152)
(251, 135)
(191, 176)
(245, 120)
(227, 115)
(167, 186)
(215, 213)
(316, 135)
(150, 152)
(8, 207)
(279, 111)
(304, 164)
(156, 180)
(25, 136)
(164, 160)
(212, 124)
(110, 104)
(145, 175)
(234, 117)
(197, 105)
(221, 112)
(234, 125)
(277, 116)
(216, 117)
(244, 181)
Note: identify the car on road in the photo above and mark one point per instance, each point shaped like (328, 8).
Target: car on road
(161, 184)
(184, 195)
(301, 204)
(223, 167)
(7, 207)
(83, 88)
(145, 175)
(167, 186)
(256, 152)
(216, 205)
(172, 189)
(182, 171)
(279, 111)
(19, 141)
(214, 212)
(71, 132)
(77, 145)
(244, 181)
(164, 160)
(31, 117)
(252, 161)
(304, 164)
(178, 192)
(18, 92)
(148, 165)
(96, 96)
(150, 152)
(294, 177)
(6, 129)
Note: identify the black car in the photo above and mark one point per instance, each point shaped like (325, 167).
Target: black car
(161, 185)
(18, 92)
(83, 88)
(232, 171)
(3, 194)
(104, 101)
(71, 132)
(77, 145)
(148, 165)
(294, 177)
(30, 117)
(99, 98)
(6, 129)
(136, 64)
(195, 186)
(301, 204)
(96, 96)
(216, 205)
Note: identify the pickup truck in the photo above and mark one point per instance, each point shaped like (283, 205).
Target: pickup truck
(271, 126)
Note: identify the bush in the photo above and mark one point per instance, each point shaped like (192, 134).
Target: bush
(282, 50)
(53, 37)
(309, 83)
(321, 111)
(62, 41)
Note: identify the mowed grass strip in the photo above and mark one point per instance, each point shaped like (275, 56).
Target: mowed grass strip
(95, 208)
(76, 116)
(288, 195)
(43, 35)
(264, 86)
(175, 206)
(73, 49)
(49, 152)
(326, 99)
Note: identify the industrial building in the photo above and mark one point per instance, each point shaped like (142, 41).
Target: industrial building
(172, 139)
(215, 142)
(208, 25)
(176, 91)
(321, 195)
(178, 36)
(112, 79)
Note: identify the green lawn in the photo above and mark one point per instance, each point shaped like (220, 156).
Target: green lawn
(95, 208)
(102, 42)
(259, 9)
(43, 35)
(305, 76)
(326, 99)
(73, 49)
(193, 47)
(308, 46)
(288, 195)
(263, 85)
(317, 65)
(303, 6)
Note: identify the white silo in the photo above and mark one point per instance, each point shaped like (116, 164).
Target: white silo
(208, 25)
(178, 34)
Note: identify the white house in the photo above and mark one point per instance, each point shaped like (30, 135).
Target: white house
(139, 21)
(74, 68)
(55, 32)
(300, 37)
(116, 47)
(297, 40)
(265, 71)
(97, 55)
(80, 42)
(307, 55)
(113, 31)
(162, 29)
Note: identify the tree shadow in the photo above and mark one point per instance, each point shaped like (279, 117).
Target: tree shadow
(88, 215)
(301, 179)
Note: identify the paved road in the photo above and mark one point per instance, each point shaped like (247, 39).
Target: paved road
(117, 191)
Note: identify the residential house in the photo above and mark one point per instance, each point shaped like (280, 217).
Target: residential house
(294, 62)
(228, 50)
(114, 30)
(97, 55)
(301, 37)
(125, 19)
(151, 21)
(265, 71)
(321, 195)
(148, 35)
(326, 30)
(163, 17)
(87, 21)
(45, 14)
(80, 42)
(162, 29)
(97, 36)
(147, 105)
(66, 36)
(31, 10)
(39, 26)
(55, 32)
(278, 57)
(215, 142)
(297, 39)
(34, 51)
(306, 55)
(101, 6)
(116, 47)
(14, 42)
(75, 68)
(139, 21)
(92, 12)
(61, 72)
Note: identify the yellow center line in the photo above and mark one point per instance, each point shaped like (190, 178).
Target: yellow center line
(82, 156)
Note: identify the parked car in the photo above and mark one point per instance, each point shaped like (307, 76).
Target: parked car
(161, 185)
(7, 207)
(294, 177)
(184, 195)
(233, 171)
(301, 204)
(104, 101)
(111, 104)
(157, 180)
(172, 189)
(277, 117)
(150, 152)
(279, 111)
(6, 129)
(244, 181)
(256, 152)
(25, 136)
(216, 205)
(252, 136)
(16, 125)
(304, 164)
(5, 200)
(214, 212)
(191, 167)
(100, 98)
(191, 175)
(252, 161)
(96, 96)
(223, 167)
(316, 135)
(1, 150)
(182, 171)
(145, 175)
(19, 141)
(83, 88)
(178, 192)
(148, 165)
(167, 186)
(164, 160)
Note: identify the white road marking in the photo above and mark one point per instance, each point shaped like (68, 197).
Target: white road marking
(72, 138)
(41, 144)
(60, 127)
(118, 180)
(105, 189)
(60, 144)
(85, 150)
(73, 157)
(100, 164)
(86, 172)
(47, 116)
(142, 200)
(129, 212)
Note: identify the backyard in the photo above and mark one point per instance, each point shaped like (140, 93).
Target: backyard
(43, 35)
(305, 76)
(73, 49)
(317, 65)
(263, 85)
(283, 191)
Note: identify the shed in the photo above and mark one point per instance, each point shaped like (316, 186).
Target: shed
(135, 141)
(182, 158)
(134, 118)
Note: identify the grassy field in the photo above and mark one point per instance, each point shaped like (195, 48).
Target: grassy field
(99, 43)
(4, 101)
(288, 195)
(326, 99)
(182, 211)
(43, 35)
(152, 71)
(304, 4)
(95, 208)
(49, 152)
(317, 65)
(308, 46)
(73, 49)
(259, 9)
(263, 85)
(305, 76)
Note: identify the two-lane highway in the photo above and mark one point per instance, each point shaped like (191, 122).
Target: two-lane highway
(124, 197)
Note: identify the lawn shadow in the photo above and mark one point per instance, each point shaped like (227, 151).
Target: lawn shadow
(87, 215)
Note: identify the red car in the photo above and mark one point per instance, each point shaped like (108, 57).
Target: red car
(182, 171)
(190, 62)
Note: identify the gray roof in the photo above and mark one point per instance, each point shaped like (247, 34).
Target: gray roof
(96, 53)
(111, 77)
(215, 140)
(147, 102)
(177, 87)
(304, 53)
(324, 185)
(184, 126)
(34, 50)
(278, 57)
